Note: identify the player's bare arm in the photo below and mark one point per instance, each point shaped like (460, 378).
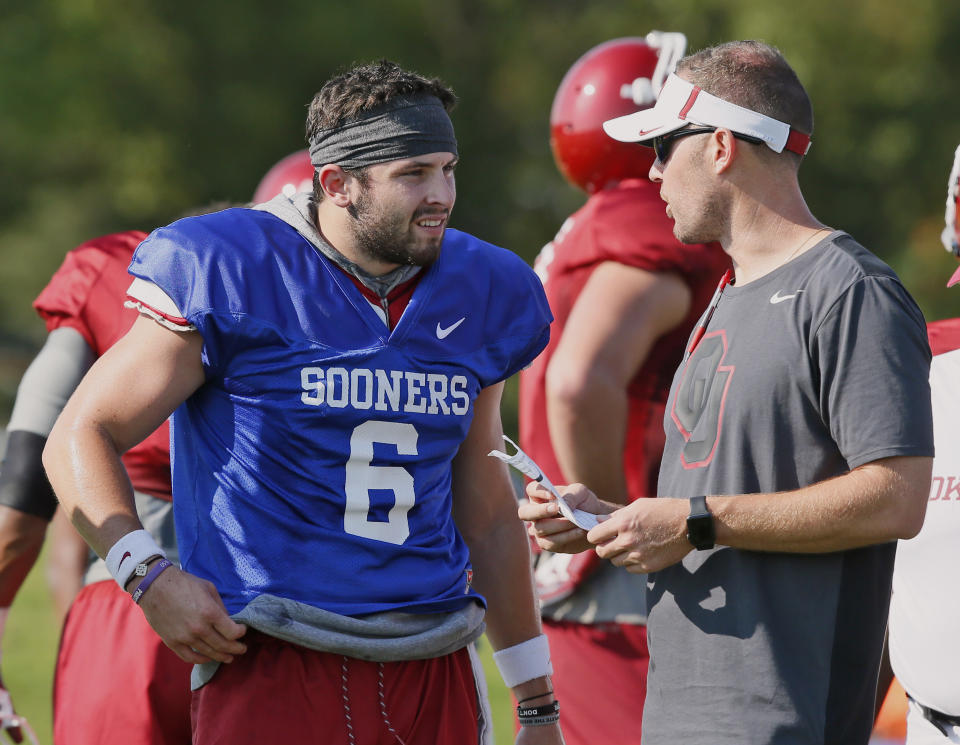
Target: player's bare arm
(126, 395)
(484, 509)
(26, 501)
(23, 538)
(880, 501)
(617, 318)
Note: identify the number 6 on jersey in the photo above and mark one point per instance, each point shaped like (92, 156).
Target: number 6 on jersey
(362, 477)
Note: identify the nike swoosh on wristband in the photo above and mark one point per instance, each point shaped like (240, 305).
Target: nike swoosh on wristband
(778, 298)
(443, 333)
(123, 559)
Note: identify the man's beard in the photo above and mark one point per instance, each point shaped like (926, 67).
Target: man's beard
(705, 226)
(389, 237)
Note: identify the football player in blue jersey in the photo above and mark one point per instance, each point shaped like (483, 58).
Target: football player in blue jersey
(334, 363)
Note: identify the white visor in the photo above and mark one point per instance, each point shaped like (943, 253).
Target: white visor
(681, 103)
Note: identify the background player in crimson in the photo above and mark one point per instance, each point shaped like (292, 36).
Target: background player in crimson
(108, 651)
(335, 364)
(922, 647)
(625, 294)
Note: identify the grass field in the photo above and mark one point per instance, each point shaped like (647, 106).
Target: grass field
(30, 648)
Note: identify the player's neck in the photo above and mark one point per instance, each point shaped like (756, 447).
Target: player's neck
(331, 222)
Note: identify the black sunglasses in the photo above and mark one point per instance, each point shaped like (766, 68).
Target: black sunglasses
(663, 144)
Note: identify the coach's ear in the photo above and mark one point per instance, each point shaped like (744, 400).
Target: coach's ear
(722, 149)
(334, 182)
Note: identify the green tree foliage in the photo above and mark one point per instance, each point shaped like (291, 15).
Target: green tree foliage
(115, 115)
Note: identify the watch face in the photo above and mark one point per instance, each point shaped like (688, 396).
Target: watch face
(698, 532)
(700, 528)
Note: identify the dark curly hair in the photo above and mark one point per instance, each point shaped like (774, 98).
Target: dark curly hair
(363, 87)
(347, 95)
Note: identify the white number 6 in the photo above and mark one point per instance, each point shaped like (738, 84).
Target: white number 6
(362, 477)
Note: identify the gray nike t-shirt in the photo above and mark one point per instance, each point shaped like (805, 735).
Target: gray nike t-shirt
(812, 370)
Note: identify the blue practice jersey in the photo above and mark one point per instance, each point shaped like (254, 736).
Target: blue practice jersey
(315, 462)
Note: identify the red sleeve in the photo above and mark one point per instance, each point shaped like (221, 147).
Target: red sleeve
(630, 226)
(63, 302)
(944, 335)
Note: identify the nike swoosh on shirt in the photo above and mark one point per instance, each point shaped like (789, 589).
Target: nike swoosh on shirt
(443, 333)
(778, 298)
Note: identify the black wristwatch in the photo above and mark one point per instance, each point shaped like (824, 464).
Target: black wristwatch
(700, 528)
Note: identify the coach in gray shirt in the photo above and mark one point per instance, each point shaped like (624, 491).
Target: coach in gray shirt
(801, 411)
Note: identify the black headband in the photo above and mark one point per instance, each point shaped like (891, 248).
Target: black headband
(403, 127)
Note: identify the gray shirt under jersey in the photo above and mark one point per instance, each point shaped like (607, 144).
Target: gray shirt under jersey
(812, 370)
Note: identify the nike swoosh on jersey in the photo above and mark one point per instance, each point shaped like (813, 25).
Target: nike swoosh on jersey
(443, 333)
(778, 298)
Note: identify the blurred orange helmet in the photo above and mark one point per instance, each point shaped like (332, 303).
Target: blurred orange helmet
(290, 175)
(615, 78)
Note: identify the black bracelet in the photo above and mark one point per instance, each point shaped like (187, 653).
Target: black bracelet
(536, 716)
(538, 711)
(531, 698)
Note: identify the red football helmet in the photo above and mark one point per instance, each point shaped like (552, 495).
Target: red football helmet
(951, 231)
(292, 174)
(615, 78)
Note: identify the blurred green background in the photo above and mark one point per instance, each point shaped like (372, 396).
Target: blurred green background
(118, 115)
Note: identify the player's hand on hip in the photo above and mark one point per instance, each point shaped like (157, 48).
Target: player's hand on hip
(190, 617)
(548, 527)
(546, 734)
(644, 536)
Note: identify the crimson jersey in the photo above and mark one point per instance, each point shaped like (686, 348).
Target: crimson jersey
(626, 224)
(86, 294)
(944, 336)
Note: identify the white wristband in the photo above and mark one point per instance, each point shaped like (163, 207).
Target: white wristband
(524, 661)
(134, 548)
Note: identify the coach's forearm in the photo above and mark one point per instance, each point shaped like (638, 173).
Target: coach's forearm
(878, 502)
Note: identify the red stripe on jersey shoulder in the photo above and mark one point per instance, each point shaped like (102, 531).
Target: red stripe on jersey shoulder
(133, 302)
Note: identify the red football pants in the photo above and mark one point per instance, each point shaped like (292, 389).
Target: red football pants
(600, 679)
(277, 692)
(116, 682)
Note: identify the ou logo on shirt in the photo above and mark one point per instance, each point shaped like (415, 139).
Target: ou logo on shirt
(697, 409)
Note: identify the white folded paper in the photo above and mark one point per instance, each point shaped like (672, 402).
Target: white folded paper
(524, 463)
